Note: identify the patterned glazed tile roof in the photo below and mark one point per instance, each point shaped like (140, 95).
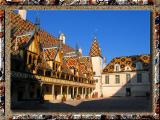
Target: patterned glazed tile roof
(82, 64)
(72, 62)
(128, 61)
(65, 68)
(49, 54)
(20, 26)
(95, 49)
(49, 44)
(19, 42)
(86, 64)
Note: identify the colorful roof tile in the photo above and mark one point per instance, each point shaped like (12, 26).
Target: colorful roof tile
(22, 31)
(50, 54)
(95, 49)
(128, 61)
(20, 26)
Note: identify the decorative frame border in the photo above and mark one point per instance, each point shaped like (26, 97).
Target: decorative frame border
(60, 115)
(78, 2)
(2, 82)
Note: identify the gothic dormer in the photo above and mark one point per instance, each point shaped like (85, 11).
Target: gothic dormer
(95, 49)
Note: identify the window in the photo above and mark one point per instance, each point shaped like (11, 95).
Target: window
(106, 79)
(139, 78)
(48, 73)
(138, 65)
(128, 78)
(117, 67)
(40, 72)
(117, 79)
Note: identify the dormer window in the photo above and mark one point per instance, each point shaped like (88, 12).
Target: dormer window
(138, 66)
(117, 67)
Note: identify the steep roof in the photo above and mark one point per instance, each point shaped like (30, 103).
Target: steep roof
(22, 27)
(22, 31)
(82, 64)
(95, 49)
(128, 61)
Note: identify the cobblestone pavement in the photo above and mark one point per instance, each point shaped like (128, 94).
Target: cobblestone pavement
(115, 104)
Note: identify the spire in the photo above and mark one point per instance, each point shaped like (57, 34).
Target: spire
(37, 23)
(77, 49)
(95, 49)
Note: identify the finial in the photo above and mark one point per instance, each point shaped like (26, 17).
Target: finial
(37, 23)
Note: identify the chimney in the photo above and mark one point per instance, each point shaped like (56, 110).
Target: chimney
(23, 14)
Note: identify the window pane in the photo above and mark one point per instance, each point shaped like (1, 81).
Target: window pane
(139, 78)
(117, 79)
(128, 78)
(107, 80)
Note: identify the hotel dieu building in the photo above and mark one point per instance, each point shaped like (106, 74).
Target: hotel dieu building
(44, 66)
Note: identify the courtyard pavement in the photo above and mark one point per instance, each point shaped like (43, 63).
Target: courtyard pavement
(114, 104)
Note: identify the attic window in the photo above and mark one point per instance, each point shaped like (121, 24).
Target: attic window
(117, 67)
(138, 65)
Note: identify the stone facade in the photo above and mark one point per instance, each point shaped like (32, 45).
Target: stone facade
(127, 76)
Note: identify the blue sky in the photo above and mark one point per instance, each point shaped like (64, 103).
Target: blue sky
(119, 33)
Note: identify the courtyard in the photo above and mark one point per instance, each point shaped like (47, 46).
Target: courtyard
(114, 104)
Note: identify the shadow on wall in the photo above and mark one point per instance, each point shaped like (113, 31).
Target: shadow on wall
(25, 87)
(138, 85)
(135, 88)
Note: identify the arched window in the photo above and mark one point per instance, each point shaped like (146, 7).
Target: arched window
(138, 66)
(116, 67)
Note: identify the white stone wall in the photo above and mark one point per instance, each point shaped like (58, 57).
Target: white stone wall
(137, 89)
(97, 68)
(97, 65)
